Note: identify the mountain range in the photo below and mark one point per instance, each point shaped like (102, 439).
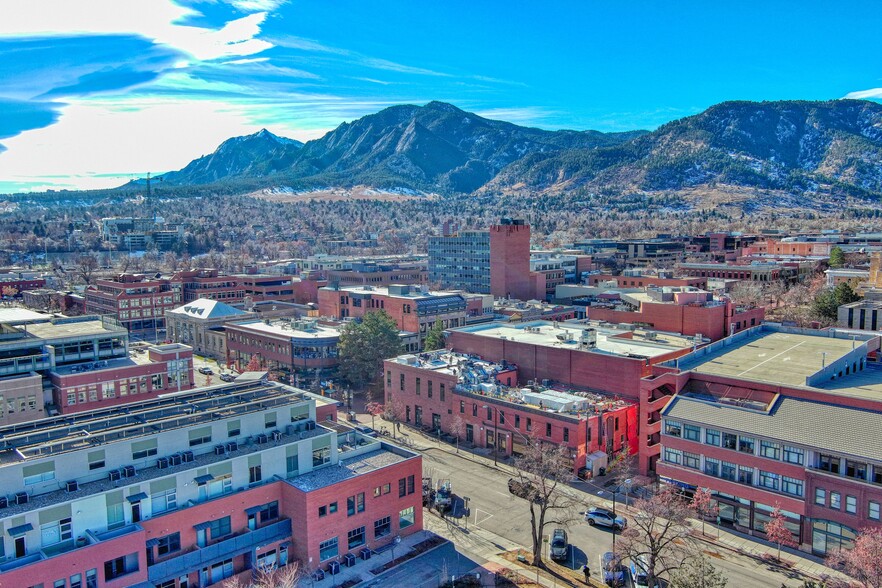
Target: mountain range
(830, 147)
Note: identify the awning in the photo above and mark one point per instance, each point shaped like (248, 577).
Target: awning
(253, 510)
(204, 479)
(137, 497)
(151, 543)
(202, 526)
(20, 530)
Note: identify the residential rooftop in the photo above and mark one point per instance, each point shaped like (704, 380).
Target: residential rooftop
(384, 456)
(625, 340)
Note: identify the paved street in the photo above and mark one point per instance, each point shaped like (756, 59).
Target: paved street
(495, 510)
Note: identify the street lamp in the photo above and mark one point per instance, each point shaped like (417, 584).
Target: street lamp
(614, 491)
(495, 430)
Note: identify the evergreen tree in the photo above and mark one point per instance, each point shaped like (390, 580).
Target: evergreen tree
(837, 257)
(435, 337)
(364, 345)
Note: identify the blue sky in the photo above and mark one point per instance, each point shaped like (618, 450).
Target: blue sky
(94, 92)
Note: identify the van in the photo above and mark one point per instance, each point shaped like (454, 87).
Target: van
(559, 545)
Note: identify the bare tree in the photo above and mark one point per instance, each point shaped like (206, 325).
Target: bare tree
(698, 572)
(542, 474)
(747, 293)
(457, 429)
(270, 577)
(621, 469)
(659, 534)
(392, 412)
(86, 267)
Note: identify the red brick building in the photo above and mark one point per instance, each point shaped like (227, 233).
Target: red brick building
(307, 347)
(481, 403)
(101, 384)
(679, 310)
(510, 261)
(773, 416)
(646, 281)
(583, 355)
(137, 301)
(414, 309)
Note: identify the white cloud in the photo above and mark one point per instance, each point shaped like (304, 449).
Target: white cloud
(157, 20)
(864, 94)
(257, 5)
(526, 115)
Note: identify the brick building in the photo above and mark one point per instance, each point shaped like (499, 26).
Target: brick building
(305, 347)
(197, 488)
(588, 356)
(414, 309)
(201, 323)
(510, 261)
(802, 246)
(685, 310)
(773, 416)
(637, 278)
(753, 272)
(481, 403)
(139, 302)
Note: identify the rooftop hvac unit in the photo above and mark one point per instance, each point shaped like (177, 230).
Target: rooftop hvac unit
(4, 502)
(162, 463)
(310, 425)
(262, 438)
(291, 429)
(365, 553)
(232, 446)
(187, 456)
(21, 497)
(114, 475)
(277, 435)
(71, 486)
(175, 459)
(129, 471)
(349, 560)
(334, 568)
(219, 449)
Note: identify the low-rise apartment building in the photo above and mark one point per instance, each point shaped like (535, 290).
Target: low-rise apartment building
(772, 417)
(197, 488)
(482, 404)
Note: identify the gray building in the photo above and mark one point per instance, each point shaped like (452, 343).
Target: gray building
(461, 261)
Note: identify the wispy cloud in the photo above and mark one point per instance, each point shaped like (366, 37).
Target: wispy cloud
(257, 5)
(864, 94)
(524, 115)
(373, 81)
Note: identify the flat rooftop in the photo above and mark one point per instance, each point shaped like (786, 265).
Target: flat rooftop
(290, 329)
(786, 358)
(414, 291)
(611, 339)
(73, 328)
(348, 468)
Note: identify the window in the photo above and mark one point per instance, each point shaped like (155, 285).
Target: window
(377, 491)
(673, 455)
(164, 501)
(401, 383)
(873, 510)
(96, 460)
(292, 464)
(355, 504)
(691, 432)
(501, 414)
(529, 424)
(417, 386)
(200, 436)
(566, 435)
(791, 486)
(851, 504)
(828, 463)
(328, 549)
(56, 532)
(410, 485)
(429, 388)
(402, 487)
(405, 518)
(821, 496)
(728, 471)
(120, 566)
(356, 537)
(746, 445)
(730, 441)
(388, 377)
(855, 469)
(745, 475)
(322, 511)
(382, 527)
(474, 410)
(517, 421)
(387, 488)
(770, 450)
(76, 581)
(269, 511)
(332, 508)
(269, 420)
(835, 500)
(712, 467)
(41, 472)
(793, 455)
(321, 456)
(712, 437)
(219, 528)
(673, 428)
(168, 544)
(769, 480)
(462, 406)
(691, 460)
(441, 391)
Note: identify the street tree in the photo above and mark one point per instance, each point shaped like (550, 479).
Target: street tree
(621, 470)
(659, 534)
(364, 345)
(697, 572)
(837, 257)
(254, 364)
(747, 293)
(392, 412)
(777, 531)
(703, 505)
(287, 576)
(435, 337)
(457, 429)
(374, 409)
(863, 561)
(543, 471)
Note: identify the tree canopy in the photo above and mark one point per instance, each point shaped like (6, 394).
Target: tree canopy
(435, 337)
(827, 302)
(364, 345)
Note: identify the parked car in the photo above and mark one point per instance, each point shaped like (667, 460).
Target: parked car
(227, 377)
(559, 545)
(206, 370)
(366, 431)
(522, 489)
(605, 518)
(613, 570)
(639, 577)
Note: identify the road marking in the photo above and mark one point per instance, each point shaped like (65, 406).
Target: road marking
(771, 358)
(485, 519)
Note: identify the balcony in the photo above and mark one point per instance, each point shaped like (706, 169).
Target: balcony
(201, 557)
(87, 539)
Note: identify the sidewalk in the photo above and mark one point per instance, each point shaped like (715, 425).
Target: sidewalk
(797, 561)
